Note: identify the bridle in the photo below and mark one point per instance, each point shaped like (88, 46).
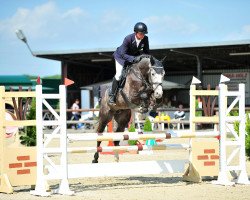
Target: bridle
(149, 85)
(155, 83)
(147, 88)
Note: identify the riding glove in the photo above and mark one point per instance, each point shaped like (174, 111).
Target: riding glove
(138, 58)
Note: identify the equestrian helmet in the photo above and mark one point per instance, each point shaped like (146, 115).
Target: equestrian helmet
(140, 27)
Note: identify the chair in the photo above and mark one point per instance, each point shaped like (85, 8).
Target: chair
(180, 123)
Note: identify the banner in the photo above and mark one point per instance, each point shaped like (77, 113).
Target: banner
(236, 79)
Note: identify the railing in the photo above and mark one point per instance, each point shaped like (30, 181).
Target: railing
(49, 116)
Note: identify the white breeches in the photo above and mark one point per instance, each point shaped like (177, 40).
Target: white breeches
(118, 68)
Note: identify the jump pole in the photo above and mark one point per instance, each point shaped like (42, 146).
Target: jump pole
(101, 138)
(121, 136)
(57, 171)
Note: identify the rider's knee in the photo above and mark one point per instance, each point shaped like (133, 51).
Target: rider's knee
(118, 76)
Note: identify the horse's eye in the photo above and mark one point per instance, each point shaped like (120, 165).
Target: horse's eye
(153, 74)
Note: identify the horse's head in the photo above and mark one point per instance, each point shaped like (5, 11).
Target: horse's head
(155, 76)
(152, 73)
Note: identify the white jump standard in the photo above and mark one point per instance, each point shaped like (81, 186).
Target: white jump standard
(64, 171)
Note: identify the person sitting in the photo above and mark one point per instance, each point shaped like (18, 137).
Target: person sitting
(180, 115)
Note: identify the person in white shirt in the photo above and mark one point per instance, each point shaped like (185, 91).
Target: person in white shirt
(179, 113)
(76, 114)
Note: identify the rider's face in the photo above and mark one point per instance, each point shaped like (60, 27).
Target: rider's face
(140, 35)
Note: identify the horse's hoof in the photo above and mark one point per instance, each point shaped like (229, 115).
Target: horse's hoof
(116, 158)
(94, 161)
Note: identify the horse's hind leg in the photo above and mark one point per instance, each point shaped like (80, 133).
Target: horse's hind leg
(105, 117)
(122, 119)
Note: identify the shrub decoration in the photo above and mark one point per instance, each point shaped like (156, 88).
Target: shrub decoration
(132, 129)
(147, 125)
(148, 128)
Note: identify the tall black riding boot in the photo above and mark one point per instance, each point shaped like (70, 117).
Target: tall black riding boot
(113, 92)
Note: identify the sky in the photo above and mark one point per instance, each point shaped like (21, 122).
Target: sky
(64, 25)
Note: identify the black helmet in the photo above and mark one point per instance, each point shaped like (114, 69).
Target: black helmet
(140, 27)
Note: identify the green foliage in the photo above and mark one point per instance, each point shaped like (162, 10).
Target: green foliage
(29, 139)
(53, 77)
(31, 76)
(147, 125)
(132, 129)
(248, 136)
(199, 112)
(58, 105)
(47, 77)
(236, 128)
(148, 128)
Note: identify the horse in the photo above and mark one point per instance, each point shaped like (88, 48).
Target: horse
(141, 89)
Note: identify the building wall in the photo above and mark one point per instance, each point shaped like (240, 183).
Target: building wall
(212, 77)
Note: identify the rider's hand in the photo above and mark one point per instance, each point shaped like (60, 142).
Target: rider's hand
(137, 59)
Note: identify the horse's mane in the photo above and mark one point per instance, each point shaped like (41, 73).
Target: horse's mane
(144, 64)
(151, 61)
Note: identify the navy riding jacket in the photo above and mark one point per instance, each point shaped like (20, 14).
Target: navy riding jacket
(128, 50)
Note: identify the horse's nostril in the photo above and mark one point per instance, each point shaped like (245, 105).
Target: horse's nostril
(157, 94)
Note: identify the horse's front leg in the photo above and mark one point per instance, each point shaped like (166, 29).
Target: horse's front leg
(96, 155)
(116, 153)
(122, 119)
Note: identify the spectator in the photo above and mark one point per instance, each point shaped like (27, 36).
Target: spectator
(76, 114)
(180, 115)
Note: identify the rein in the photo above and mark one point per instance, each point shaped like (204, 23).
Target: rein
(146, 86)
(149, 86)
(140, 77)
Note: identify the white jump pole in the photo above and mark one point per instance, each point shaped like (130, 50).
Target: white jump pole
(40, 188)
(64, 185)
(243, 177)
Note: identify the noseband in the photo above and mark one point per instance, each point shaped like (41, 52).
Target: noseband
(149, 85)
(157, 70)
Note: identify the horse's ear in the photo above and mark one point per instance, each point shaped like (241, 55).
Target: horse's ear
(152, 61)
(163, 59)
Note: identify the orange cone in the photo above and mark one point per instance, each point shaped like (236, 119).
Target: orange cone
(110, 130)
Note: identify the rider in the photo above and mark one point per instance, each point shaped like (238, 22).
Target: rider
(129, 52)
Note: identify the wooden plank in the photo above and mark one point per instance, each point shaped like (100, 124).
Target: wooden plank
(119, 169)
(209, 120)
(205, 92)
(20, 123)
(19, 94)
